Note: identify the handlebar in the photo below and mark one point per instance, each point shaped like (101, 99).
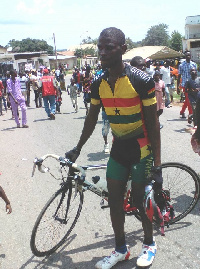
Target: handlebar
(63, 161)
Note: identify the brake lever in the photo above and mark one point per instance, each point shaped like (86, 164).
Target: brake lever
(35, 162)
(38, 162)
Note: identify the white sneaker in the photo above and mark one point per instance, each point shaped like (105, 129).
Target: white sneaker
(147, 255)
(106, 148)
(114, 258)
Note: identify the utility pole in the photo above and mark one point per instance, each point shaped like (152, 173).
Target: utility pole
(54, 40)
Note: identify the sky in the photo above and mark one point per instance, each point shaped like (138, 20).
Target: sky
(72, 21)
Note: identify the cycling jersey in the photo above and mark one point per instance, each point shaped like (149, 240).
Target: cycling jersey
(123, 107)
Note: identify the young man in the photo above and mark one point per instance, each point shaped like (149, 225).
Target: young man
(48, 86)
(73, 92)
(165, 76)
(128, 97)
(16, 98)
(184, 73)
(192, 87)
(138, 62)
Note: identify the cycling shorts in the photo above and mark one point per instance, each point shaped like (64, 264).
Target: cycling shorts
(130, 157)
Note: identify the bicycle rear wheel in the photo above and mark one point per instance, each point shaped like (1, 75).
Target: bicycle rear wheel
(56, 221)
(182, 184)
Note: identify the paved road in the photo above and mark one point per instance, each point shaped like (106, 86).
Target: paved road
(92, 237)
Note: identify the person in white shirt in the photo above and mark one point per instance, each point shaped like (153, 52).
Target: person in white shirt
(149, 68)
(23, 84)
(165, 76)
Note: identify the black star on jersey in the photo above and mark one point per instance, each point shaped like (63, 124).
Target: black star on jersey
(149, 148)
(117, 112)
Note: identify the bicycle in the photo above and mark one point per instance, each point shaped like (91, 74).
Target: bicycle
(181, 191)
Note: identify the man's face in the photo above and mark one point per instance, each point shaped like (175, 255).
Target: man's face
(141, 65)
(13, 74)
(187, 56)
(110, 52)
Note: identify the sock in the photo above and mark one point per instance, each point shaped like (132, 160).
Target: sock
(149, 243)
(121, 249)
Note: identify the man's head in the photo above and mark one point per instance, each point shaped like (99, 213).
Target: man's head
(187, 56)
(167, 63)
(156, 76)
(111, 46)
(45, 71)
(13, 74)
(148, 63)
(138, 62)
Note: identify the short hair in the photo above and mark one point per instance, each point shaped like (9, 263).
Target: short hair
(135, 60)
(186, 51)
(114, 32)
(157, 73)
(12, 71)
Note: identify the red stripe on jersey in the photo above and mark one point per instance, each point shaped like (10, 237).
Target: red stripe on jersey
(152, 90)
(120, 102)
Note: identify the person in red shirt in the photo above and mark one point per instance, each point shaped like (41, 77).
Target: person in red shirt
(48, 86)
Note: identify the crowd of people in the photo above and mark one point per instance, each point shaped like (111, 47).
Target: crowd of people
(188, 84)
(131, 98)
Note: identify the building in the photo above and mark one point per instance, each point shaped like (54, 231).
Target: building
(85, 59)
(62, 60)
(2, 50)
(192, 37)
(30, 60)
(22, 61)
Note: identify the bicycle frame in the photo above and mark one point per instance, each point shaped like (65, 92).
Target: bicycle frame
(82, 184)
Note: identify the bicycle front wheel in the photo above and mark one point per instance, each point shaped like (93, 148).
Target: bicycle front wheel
(56, 221)
(182, 184)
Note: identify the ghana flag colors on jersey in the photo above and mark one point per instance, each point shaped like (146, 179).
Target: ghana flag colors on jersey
(123, 107)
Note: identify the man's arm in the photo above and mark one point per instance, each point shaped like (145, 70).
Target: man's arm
(153, 130)
(89, 125)
(197, 133)
(6, 200)
(10, 93)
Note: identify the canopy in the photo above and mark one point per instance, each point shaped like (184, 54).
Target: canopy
(152, 52)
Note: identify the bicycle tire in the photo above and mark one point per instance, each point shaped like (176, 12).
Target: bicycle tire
(183, 185)
(177, 175)
(49, 233)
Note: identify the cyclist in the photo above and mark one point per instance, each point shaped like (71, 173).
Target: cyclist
(128, 97)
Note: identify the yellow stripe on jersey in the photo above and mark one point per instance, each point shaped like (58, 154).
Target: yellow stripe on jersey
(95, 101)
(149, 102)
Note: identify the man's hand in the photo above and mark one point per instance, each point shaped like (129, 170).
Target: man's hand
(73, 154)
(8, 208)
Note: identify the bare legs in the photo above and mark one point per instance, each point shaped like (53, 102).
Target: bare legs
(116, 190)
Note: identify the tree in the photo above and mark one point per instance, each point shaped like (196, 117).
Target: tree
(30, 45)
(176, 41)
(81, 53)
(89, 40)
(157, 35)
(130, 44)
